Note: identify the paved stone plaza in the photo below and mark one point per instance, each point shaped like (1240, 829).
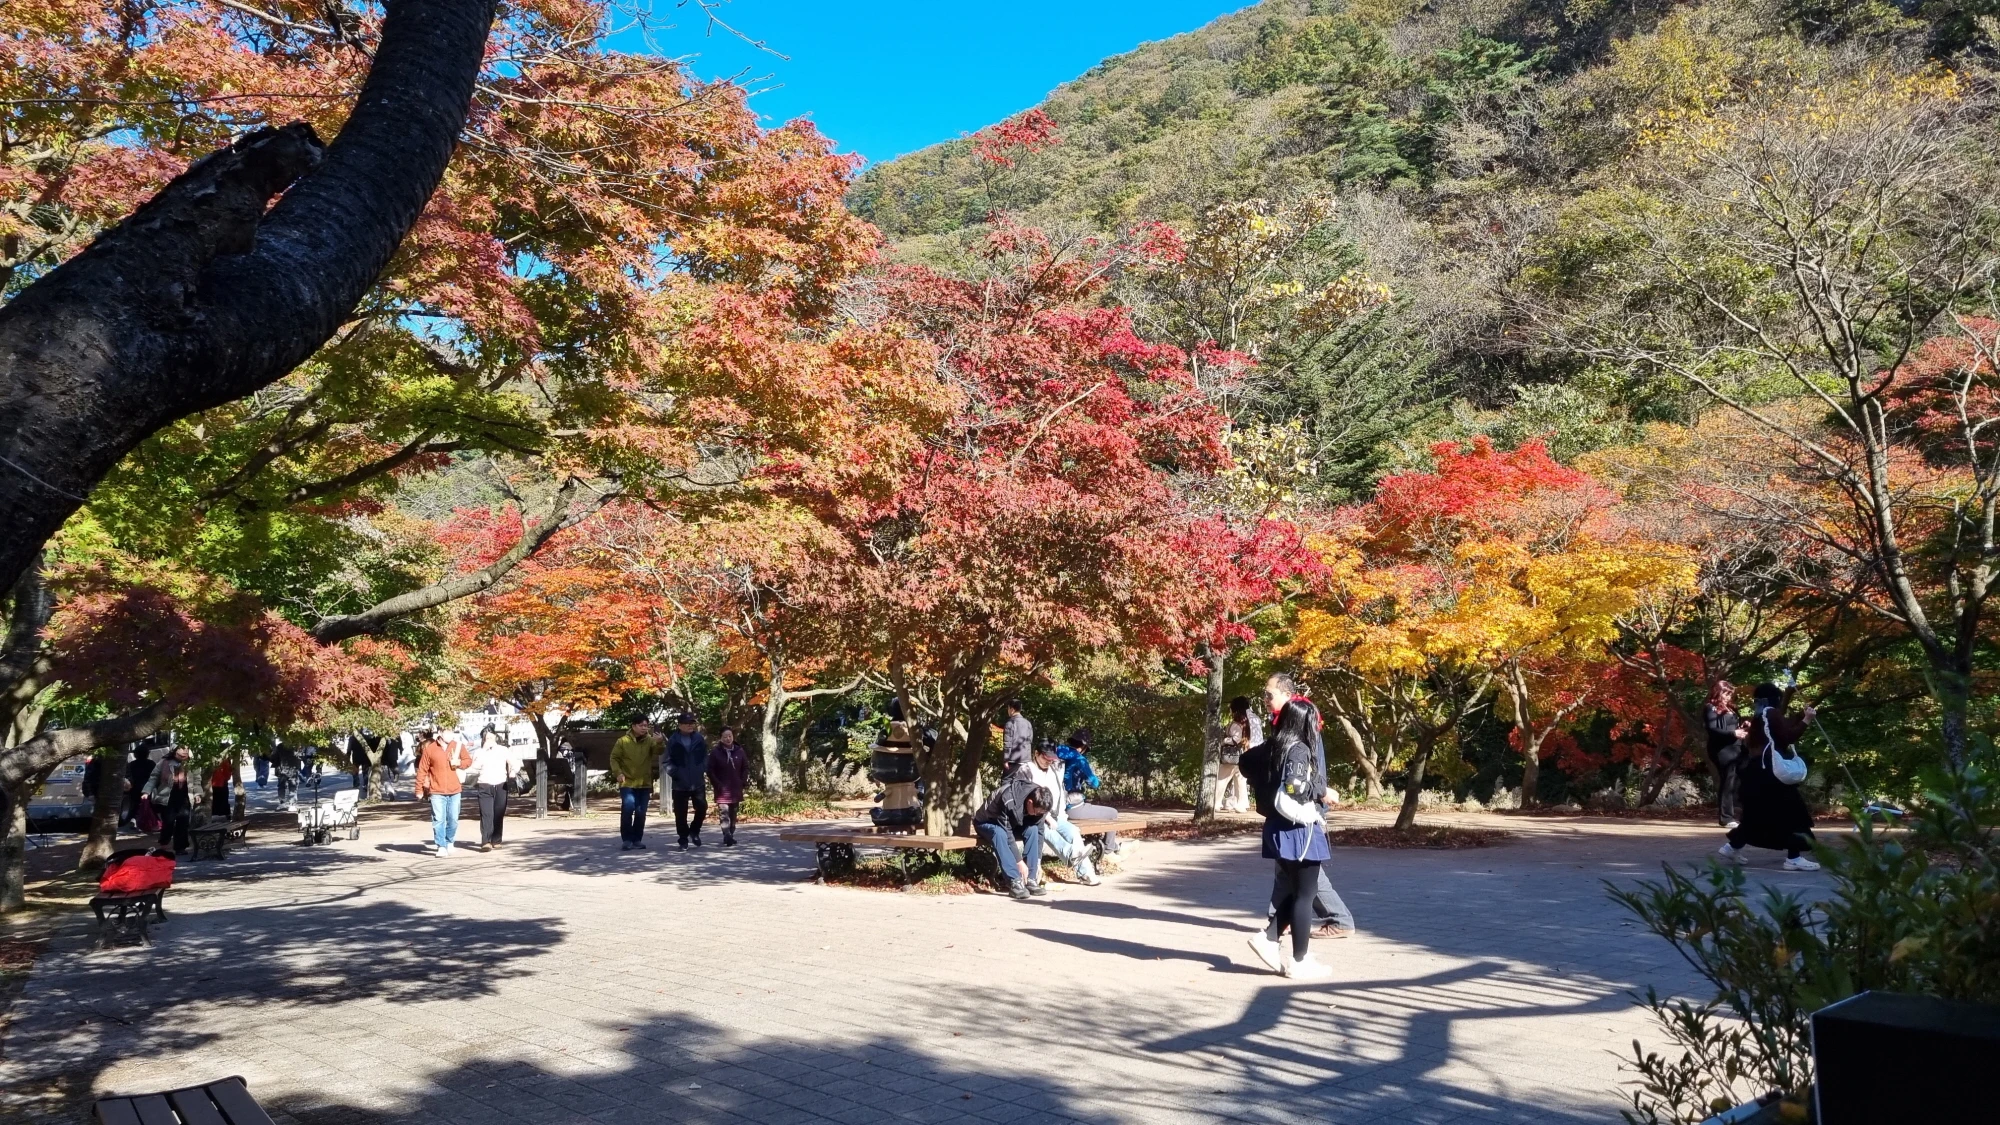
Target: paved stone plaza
(561, 981)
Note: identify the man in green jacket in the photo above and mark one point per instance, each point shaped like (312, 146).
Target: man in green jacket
(635, 762)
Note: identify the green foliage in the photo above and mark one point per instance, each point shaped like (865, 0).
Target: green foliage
(1322, 51)
(1914, 911)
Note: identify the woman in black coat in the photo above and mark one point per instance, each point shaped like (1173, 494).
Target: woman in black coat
(1774, 814)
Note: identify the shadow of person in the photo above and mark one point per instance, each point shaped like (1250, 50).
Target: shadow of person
(1139, 951)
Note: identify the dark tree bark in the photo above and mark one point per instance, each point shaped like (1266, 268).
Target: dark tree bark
(201, 297)
(103, 837)
(1211, 732)
(51, 747)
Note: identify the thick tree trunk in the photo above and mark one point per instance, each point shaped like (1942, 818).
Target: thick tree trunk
(14, 847)
(1531, 777)
(103, 838)
(1212, 731)
(201, 296)
(770, 734)
(1406, 817)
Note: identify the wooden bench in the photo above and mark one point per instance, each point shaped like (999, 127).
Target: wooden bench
(227, 1102)
(834, 845)
(212, 840)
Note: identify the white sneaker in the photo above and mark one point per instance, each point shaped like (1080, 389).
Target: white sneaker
(1308, 968)
(1268, 952)
(1801, 863)
(1731, 853)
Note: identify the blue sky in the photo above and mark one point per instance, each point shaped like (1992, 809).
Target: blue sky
(889, 77)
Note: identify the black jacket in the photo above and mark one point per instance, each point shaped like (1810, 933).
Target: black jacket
(1722, 741)
(1008, 806)
(687, 761)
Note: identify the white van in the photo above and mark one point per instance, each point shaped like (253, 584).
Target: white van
(60, 800)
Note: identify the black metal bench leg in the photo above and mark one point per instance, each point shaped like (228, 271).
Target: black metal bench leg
(819, 860)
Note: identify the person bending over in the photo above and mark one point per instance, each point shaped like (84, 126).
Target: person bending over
(1015, 812)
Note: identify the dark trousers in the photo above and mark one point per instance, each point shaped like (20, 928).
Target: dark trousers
(686, 801)
(725, 815)
(632, 813)
(1728, 789)
(218, 800)
(1292, 903)
(128, 809)
(174, 828)
(492, 812)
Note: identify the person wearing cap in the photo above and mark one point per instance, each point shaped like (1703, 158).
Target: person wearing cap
(686, 767)
(635, 763)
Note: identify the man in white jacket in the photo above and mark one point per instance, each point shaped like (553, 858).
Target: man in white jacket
(1057, 832)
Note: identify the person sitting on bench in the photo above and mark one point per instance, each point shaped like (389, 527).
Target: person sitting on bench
(1015, 812)
(1057, 831)
(1078, 780)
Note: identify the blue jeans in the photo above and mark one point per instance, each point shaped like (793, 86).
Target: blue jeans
(444, 819)
(1002, 843)
(632, 813)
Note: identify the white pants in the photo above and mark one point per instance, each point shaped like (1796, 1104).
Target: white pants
(1235, 789)
(1067, 843)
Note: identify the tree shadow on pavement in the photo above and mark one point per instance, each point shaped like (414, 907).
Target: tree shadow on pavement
(758, 857)
(1534, 903)
(86, 1007)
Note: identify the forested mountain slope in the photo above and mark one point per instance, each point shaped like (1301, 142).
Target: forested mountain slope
(1473, 147)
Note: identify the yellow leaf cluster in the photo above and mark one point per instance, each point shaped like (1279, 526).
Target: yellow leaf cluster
(1494, 600)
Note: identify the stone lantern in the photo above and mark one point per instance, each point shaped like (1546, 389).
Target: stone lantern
(893, 765)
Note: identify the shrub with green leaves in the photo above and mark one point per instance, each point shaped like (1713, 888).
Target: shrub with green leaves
(1914, 909)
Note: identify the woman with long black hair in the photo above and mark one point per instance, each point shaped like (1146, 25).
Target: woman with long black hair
(1290, 778)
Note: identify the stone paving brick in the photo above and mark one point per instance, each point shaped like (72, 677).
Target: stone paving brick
(559, 982)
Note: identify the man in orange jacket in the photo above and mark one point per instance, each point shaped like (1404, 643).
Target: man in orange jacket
(437, 778)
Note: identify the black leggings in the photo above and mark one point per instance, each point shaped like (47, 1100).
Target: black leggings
(1292, 903)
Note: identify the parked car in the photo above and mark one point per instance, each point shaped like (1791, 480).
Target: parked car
(59, 805)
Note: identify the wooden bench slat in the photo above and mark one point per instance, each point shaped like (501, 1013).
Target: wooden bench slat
(864, 837)
(868, 838)
(153, 1110)
(196, 1107)
(117, 1111)
(236, 1103)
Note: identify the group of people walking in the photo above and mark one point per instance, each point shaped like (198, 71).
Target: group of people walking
(1758, 769)
(446, 764)
(691, 767)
